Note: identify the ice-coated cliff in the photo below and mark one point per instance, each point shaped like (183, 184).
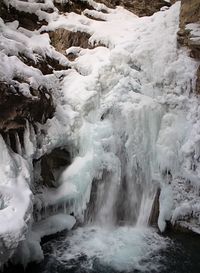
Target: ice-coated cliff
(121, 112)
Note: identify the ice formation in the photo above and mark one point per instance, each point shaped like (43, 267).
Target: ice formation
(126, 113)
(30, 249)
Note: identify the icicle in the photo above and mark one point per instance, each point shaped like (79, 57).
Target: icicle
(33, 136)
(28, 145)
(18, 144)
(4, 155)
(8, 139)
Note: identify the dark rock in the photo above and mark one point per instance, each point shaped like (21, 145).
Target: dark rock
(46, 65)
(63, 39)
(178, 228)
(138, 7)
(10, 136)
(153, 218)
(16, 108)
(190, 13)
(52, 164)
(94, 204)
(26, 20)
(77, 6)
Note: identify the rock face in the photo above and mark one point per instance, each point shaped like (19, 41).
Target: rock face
(63, 39)
(26, 20)
(45, 64)
(25, 102)
(51, 165)
(153, 218)
(189, 19)
(141, 8)
(16, 108)
(72, 6)
(190, 13)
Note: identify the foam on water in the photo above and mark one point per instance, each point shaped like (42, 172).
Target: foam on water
(121, 248)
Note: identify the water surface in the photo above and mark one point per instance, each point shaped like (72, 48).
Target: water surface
(123, 249)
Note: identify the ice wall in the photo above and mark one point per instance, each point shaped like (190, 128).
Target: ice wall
(16, 200)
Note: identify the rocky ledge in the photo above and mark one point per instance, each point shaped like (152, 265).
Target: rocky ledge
(189, 33)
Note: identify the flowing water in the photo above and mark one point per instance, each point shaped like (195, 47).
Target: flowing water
(125, 249)
(120, 249)
(114, 241)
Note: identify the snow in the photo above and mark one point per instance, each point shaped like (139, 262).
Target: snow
(194, 29)
(53, 224)
(30, 249)
(125, 108)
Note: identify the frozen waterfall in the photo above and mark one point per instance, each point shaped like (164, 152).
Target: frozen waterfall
(125, 190)
(126, 115)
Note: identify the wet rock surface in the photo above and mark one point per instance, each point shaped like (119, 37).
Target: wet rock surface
(153, 218)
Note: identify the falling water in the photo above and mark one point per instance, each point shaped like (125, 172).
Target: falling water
(115, 232)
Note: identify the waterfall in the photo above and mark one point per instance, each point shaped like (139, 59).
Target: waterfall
(120, 101)
(124, 193)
